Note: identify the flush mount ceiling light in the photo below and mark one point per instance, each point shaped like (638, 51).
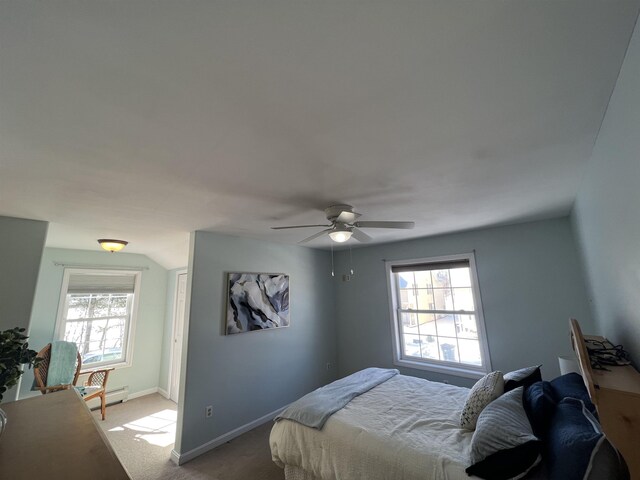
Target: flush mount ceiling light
(340, 233)
(112, 245)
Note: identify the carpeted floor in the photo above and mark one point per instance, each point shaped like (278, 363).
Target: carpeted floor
(142, 432)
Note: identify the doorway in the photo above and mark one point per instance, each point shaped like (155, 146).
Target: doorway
(176, 335)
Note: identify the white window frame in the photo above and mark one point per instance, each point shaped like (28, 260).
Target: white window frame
(131, 328)
(439, 366)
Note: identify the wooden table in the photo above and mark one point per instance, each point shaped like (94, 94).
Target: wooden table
(55, 436)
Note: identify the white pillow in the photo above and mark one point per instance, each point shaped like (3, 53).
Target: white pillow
(486, 390)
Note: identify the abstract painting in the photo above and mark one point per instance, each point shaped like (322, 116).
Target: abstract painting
(257, 301)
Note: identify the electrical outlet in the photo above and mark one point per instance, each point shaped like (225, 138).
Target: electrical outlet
(346, 278)
(328, 365)
(208, 411)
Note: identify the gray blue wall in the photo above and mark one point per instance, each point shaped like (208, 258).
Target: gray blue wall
(22, 242)
(530, 281)
(249, 375)
(143, 373)
(606, 214)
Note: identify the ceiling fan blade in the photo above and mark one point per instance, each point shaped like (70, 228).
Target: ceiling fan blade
(347, 217)
(405, 225)
(315, 235)
(360, 235)
(299, 226)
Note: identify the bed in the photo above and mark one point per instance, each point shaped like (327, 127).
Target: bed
(401, 429)
(407, 428)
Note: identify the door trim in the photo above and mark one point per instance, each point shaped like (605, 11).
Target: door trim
(173, 329)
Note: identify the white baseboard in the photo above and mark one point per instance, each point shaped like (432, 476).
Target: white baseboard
(164, 393)
(182, 458)
(142, 393)
(120, 395)
(114, 395)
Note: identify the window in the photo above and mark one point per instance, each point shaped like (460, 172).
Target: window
(97, 313)
(436, 315)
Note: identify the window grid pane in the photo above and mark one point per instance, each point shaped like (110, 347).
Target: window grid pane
(438, 316)
(98, 324)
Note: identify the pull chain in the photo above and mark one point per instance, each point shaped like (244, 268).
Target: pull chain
(350, 260)
(332, 270)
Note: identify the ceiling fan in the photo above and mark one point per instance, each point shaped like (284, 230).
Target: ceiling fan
(344, 225)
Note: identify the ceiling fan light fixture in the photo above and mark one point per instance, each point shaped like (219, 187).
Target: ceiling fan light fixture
(340, 234)
(344, 224)
(112, 245)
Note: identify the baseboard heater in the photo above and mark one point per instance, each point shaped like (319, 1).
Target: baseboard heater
(116, 395)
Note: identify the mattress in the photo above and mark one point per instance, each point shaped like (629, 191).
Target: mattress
(405, 428)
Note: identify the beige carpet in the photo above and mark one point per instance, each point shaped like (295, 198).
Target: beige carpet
(142, 432)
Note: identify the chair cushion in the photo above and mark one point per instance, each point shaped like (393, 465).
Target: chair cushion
(487, 389)
(503, 445)
(88, 391)
(522, 377)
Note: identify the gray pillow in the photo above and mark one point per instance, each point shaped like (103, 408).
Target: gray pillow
(523, 377)
(503, 445)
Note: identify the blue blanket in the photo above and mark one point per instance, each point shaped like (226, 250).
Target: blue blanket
(62, 365)
(316, 407)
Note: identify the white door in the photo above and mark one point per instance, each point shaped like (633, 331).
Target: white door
(178, 325)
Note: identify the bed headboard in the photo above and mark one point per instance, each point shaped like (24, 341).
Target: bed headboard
(577, 342)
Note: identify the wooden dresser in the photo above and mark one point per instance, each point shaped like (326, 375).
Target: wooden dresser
(616, 395)
(55, 436)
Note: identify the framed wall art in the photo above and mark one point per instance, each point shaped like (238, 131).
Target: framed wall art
(257, 301)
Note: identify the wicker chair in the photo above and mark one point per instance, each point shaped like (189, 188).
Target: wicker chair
(97, 381)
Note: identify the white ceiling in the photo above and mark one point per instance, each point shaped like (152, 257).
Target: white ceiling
(149, 119)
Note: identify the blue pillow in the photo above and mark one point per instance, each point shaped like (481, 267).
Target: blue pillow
(540, 404)
(576, 448)
(572, 385)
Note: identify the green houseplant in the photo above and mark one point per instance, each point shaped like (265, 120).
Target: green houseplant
(14, 351)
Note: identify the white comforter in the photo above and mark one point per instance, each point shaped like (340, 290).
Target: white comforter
(404, 429)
